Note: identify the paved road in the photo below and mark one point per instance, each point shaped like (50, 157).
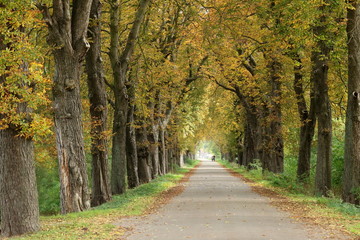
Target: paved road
(216, 205)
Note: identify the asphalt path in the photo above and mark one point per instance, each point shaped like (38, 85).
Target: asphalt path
(217, 205)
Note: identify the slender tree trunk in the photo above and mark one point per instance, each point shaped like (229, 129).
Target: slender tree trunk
(118, 163)
(120, 67)
(154, 150)
(351, 179)
(162, 151)
(18, 192)
(307, 119)
(131, 150)
(101, 191)
(323, 109)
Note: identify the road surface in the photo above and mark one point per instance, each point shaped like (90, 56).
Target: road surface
(217, 205)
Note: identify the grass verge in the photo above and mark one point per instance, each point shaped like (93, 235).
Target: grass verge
(330, 213)
(97, 223)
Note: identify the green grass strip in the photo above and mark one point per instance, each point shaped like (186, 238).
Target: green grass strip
(98, 223)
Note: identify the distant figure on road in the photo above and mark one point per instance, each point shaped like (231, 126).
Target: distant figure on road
(213, 158)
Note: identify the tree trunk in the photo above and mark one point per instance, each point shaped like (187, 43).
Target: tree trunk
(307, 119)
(323, 108)
(131, 150)
(101, 191)
(252, 140)
(68, 25)
(143, 156)
(120, 67)
(154, 151)
(118, 163)
(162, 151)
(18, 192)
(69, 133)
(118, 170)
(273, 146)
(351, 179)
(19, 208)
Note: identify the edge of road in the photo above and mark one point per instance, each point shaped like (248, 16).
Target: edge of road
(164, 197)
(299, 211)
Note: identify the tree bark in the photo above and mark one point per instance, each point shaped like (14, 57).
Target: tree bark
(162, 151)
(69, 133)
(308, 121)
(323, 108)
(18, 191)
(101, 191)
(351, 179)
(154, 150)
(68, 25)
(144, 165)
(275, 162)
(131, 150)
(251, 140)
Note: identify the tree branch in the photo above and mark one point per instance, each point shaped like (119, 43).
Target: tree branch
(111, 86)
(134, 33)
(225, 87)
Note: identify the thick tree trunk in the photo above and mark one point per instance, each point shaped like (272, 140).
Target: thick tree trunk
(68, 25)
(118, 171)
(19, 208)
(273, 146)
(18, 192)
(101, 191)
(307, 119)
(323, 108)
(144, 165)
(351, 180)
(131, 151)
(251, 147)
(69, 133)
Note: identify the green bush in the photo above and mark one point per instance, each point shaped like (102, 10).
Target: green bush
(49, 190)
(337, 168)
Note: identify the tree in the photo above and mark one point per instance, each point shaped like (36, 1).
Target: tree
(67, 25)
(351, 179)
(307, 120)
(101, 191)
(120, 66)
(22, 93)
(320, 60)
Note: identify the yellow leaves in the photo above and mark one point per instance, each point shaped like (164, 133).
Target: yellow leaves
(23, 86)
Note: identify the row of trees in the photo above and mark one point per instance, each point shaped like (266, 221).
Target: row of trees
(146, 80)
(154, 71)
(274, 55)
